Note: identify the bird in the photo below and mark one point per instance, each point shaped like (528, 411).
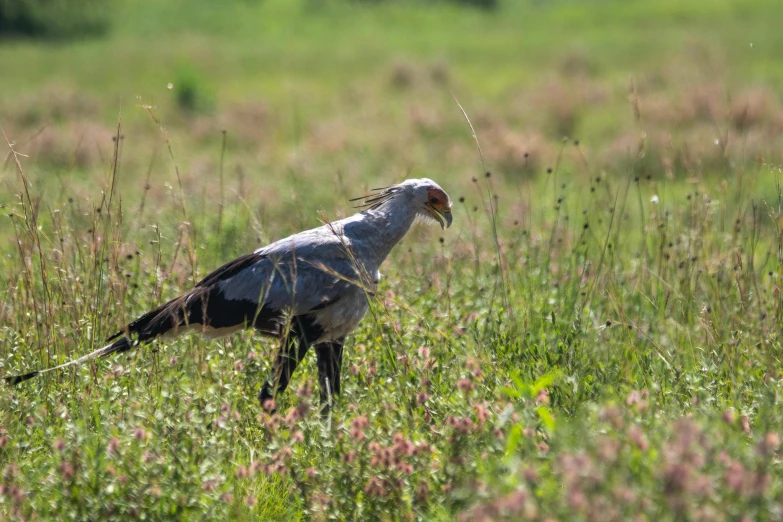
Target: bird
(309, 289)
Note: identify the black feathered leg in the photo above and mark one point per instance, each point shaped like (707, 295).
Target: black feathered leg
(291, 352)
(330, 360)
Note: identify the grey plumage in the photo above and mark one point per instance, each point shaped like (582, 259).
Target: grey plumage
(309, 288)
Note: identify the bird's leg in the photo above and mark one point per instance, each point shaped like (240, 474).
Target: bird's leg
(330, 359)
(292, 350)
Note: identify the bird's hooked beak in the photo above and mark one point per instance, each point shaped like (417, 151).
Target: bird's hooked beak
(442, 216)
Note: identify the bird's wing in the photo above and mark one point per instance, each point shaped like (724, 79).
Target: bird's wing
(296, 275)
(298, 278)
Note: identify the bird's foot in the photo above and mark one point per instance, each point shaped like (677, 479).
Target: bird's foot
(267, 400)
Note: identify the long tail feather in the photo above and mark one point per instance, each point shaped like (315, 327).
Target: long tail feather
(120, 345)
(204, 305)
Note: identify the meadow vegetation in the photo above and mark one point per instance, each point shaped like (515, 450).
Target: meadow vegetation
(596, 338)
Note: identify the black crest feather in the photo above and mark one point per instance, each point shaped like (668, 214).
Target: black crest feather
(373, 201)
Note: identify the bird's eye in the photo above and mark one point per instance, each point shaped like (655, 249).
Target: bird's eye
(433, 201)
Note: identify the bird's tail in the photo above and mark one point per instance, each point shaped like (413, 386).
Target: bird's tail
(123, 344)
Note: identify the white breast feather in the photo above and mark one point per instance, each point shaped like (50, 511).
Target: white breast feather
(341, 318)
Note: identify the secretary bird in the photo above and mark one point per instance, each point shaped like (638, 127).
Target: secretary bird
(310, 288)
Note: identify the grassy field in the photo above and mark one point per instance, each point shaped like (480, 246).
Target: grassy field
(596, 338)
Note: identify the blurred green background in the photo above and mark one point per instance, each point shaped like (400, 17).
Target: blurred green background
(365, 87)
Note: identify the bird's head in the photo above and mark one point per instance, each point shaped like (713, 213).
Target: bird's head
(423, 196)
(428, 200)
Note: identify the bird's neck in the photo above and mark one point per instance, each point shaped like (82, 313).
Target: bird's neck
(386, 226)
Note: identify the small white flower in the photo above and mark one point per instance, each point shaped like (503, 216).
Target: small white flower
(654, 199)
(170, 86)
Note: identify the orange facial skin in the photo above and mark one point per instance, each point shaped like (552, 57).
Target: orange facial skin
(440, 206)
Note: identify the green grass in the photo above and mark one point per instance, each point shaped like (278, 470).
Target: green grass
(609, 348)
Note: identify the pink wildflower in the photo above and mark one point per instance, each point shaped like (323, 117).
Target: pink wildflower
(745, 423)
(465, 385)
(375, 487)
(542, 397)
(67, 470)
(637, 438)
